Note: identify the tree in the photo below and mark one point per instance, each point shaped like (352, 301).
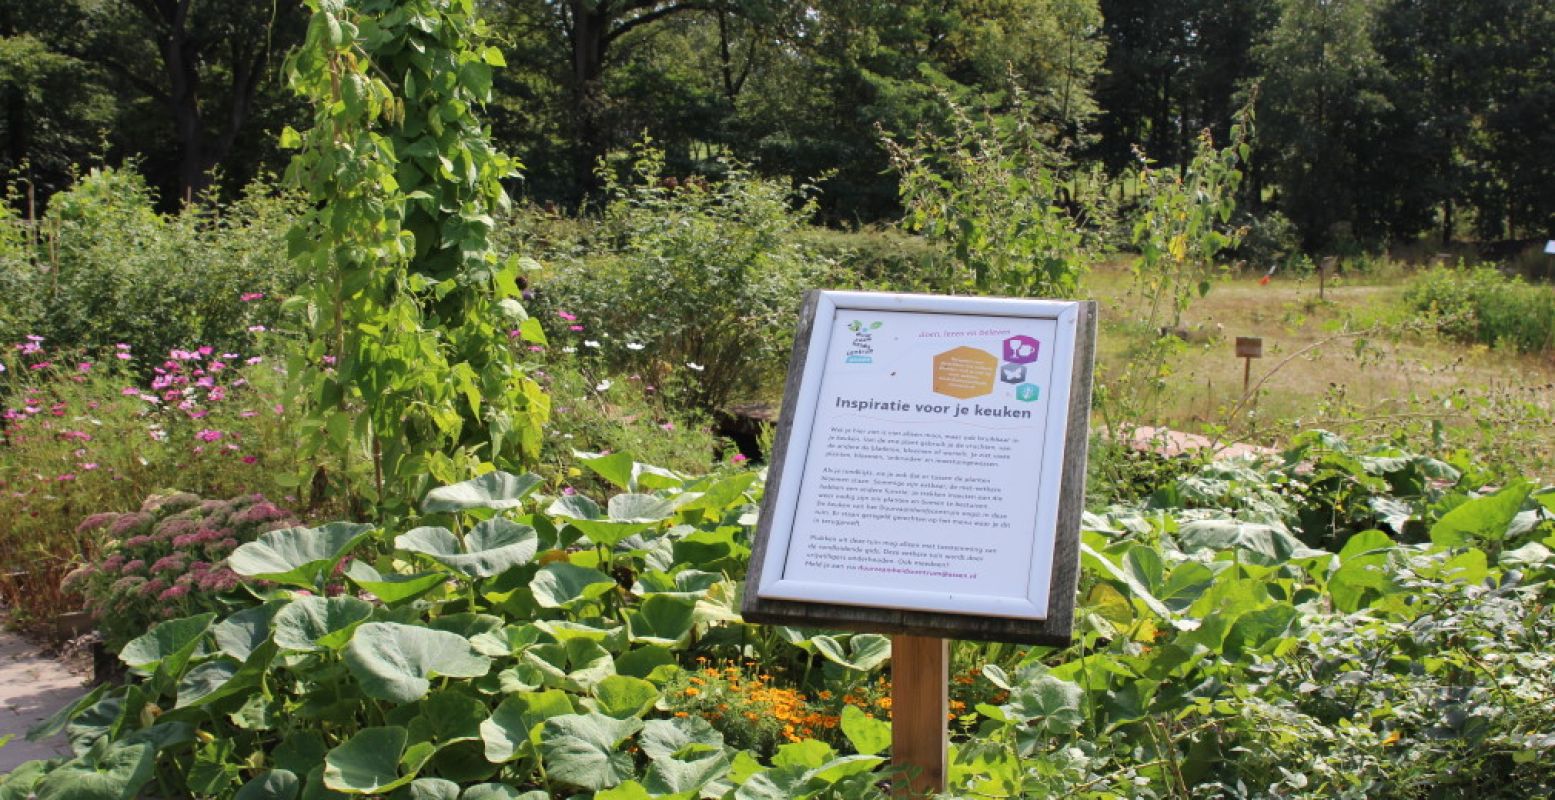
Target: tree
(213, 63)
(1173, 69)
(1320, 103)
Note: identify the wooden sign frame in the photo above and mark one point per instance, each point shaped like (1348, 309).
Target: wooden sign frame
(1058, 494)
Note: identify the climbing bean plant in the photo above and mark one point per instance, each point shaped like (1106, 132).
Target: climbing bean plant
(411, 364)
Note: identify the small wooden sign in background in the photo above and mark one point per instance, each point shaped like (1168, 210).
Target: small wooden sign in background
(927, 482)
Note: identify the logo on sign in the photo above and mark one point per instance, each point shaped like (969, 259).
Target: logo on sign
(1027, 393)
(1021, 349)
(862, 349)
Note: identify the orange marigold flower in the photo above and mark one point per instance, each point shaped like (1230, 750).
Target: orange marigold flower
(692, 691)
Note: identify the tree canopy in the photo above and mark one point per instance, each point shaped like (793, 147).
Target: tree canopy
(1379, 120)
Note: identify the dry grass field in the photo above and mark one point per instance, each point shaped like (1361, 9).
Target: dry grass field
(1354, 362)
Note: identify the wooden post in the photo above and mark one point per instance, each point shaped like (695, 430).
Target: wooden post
(920, 701)
(1324, 267)
(1247, 349)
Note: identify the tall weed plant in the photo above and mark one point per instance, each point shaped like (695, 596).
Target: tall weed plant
(1017, 218)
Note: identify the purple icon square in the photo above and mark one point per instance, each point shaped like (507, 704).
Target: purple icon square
(1021, 349)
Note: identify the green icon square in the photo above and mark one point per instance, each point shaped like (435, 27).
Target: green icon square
(1027, 392)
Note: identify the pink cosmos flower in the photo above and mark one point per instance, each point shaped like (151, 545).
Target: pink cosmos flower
(256, 329)
(123, 356)
(85, 366)
(122, 346)
(739, 458)
(208, 435)
(250, 459)
(569, 317)
(249, 297)
(574, 327)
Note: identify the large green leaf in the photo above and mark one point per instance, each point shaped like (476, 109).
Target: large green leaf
(584, 750)
(373, 761)
(585, 515)
(396, 662)
(277, 784)
(1483, 519)
(720, 494)
(868, 735)
(662, 619)
(240, 634)
(428, 789)
(494, 490)
(117, 773)
(575, 507)
(865, 651)
(57, 721)
(169, 643)
(687, 754)
(205, 679)
(621, 696)
(564, 585)
(514, 723)
(303, 557)
(393, 589)
(687, 582)
(492, 547)
(1049, 704)
(639, 508)
(500, 791)
(317, 623)
(616, 467)
(446, 716)
(1257, 543)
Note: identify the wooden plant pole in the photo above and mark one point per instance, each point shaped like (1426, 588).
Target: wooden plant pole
(920, 700)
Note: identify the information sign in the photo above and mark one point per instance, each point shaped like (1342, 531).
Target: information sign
(928, 475)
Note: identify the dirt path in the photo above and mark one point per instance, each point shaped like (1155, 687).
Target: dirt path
(32, 687)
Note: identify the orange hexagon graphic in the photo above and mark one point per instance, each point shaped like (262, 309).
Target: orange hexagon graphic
(965, 372)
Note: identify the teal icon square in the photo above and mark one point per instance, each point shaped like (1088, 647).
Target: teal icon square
(1027, 392)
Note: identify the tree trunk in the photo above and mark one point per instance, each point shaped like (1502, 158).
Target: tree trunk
(590, 27)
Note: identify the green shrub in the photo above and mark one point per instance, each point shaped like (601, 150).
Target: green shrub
(1481, 305)
(167, 560)
(694, 283)
(108, 269)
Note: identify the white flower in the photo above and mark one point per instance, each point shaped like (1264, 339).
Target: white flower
(569, 349)
(695, 366)
(590, 343)
(634, 346)
(602, 385)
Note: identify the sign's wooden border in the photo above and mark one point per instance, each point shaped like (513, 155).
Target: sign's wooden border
(1054, 629)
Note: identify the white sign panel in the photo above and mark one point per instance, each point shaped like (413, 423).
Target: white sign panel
(924, 467)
